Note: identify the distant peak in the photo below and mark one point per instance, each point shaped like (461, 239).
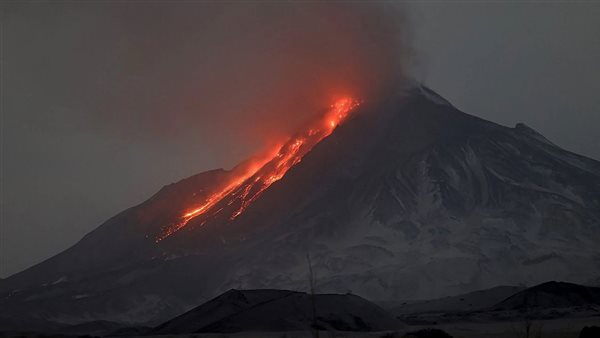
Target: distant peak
(527, 130)
(433, 96)
(523, 127)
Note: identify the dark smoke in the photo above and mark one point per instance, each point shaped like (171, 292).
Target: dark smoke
(245, 73)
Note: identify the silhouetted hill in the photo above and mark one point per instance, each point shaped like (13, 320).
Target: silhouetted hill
(551, 295)
(279, 310)
(472, 301)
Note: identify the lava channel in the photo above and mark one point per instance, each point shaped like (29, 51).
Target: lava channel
(246, 187)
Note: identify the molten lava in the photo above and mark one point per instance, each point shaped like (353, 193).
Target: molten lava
(245, 187)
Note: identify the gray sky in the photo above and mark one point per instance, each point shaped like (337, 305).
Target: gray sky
(104, 104)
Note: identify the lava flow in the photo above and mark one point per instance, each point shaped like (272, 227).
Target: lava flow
(246, 187)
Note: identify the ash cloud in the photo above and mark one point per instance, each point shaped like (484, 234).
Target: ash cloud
(242, 74)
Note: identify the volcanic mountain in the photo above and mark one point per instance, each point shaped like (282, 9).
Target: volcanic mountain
(402, 198)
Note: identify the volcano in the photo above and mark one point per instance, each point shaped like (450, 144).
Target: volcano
(400, 198)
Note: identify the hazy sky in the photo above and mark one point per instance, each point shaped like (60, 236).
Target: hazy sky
(103, 104)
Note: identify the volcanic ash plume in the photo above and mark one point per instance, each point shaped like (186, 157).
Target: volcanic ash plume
(241, 74)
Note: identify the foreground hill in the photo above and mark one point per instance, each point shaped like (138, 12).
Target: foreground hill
(546, 301)
(552, 295)
(279, 310)
(472, 301)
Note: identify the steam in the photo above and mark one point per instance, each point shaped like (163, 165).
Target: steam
(246, 74)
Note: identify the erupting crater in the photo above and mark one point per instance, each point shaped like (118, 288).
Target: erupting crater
(245, 187)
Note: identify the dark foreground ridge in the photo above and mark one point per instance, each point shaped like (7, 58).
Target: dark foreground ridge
(552, 295)
(265, 312)
(546, 301)
(279, 310)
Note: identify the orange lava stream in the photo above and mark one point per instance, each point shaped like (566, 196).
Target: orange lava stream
(246, 187)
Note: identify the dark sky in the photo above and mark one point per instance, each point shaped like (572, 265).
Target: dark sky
(104, 103)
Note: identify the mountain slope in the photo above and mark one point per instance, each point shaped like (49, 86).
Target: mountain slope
(408, 199)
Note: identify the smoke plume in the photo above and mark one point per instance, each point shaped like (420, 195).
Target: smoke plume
(248, 73)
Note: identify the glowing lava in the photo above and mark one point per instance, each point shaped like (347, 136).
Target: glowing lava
(246, 187)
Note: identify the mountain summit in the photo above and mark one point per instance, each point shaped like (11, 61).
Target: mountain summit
(408, 198)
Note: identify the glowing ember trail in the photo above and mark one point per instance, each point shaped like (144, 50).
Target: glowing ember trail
(247, 186)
